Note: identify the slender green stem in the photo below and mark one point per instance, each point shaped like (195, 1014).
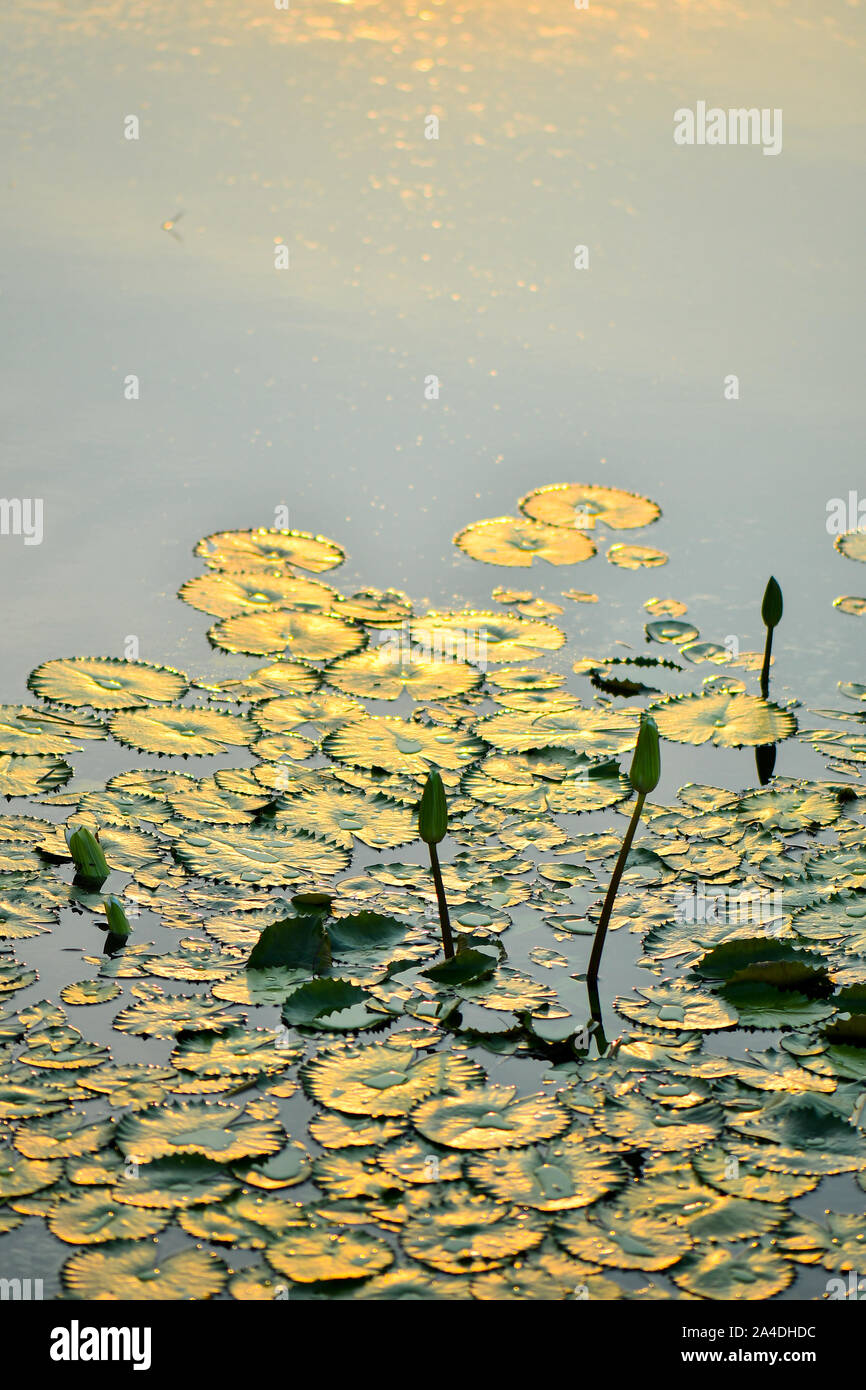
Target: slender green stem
(595, 1015)
(445, 920)
(601, 929)
(765, 669)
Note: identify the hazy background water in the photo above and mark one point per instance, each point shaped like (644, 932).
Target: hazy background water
(411, 257)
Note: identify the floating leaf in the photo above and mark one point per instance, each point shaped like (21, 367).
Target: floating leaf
(127, 1272)
(466, 1232)
(384, 1079)
(728, 721)
(556, 1177)
(583, 505)
(489, 1117)
(401, 745)
(485, 637)
(381, 674)
(106, 682)
(225, 595)
(258, 856)
(636, 557)
(210, 1129)
(740, 1271)
(508, 540)
(316, 1252)
(852, 545)
(263, 549)
(186, 732)
(311, 636)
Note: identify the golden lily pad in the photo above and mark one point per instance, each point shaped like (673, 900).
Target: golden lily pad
(489, 1117)
(172, 1184)
(269, 682)
(31, 776)
(402, 745)
(666, 607)
(225, 595)
(679, 1007)
(210, 1129)
(466, 1233)
(384, 1079)
(20, 1177)
(381, 674)
(377, 607)
(744, 1270)
(583, 505)
(167, 1015)
(594, 732)
(240, 1052)
(670, 630)
(26, 730)
(105, 682)
(485, 637)
(348, 1132)
(285, 1169)
(848, 604)
(636, 557)
(788, 805)
(182, 732)
(556, 1177)
(525, 678)
(722, 1170)
(310, 636)
(728, 721)
(323, 713)
(258, 856)
(315, 1252)
(852, 545)
(348, 815)
(129, 1271)
(95, 1216)
(267, 549)
(547, 1276)
(622, 1240)
(248, 1220)
(508, 540)
(643, 1122)
(61, 1136)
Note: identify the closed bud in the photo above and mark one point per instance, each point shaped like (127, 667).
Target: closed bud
(771, 608)
(433, 810)
(646, 763)
(118, 924)
(313, 902)
(87, 855)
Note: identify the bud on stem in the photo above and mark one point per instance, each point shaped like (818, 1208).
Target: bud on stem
(87, 856)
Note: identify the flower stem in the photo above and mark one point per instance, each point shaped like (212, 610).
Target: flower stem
(601, 929)
(445, 920)
(765, 669)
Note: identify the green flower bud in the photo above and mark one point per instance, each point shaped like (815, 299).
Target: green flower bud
(118, 924)
(771, 608)
(313, 902)
(433, 810)
(87, 855)
(646, 764)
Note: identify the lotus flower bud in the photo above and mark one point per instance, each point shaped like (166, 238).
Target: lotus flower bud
(118, 924)
(433, 810)
(771, 608)
(646, 763)
(87, 855)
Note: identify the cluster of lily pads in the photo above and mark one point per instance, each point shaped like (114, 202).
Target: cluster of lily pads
(316, 1110)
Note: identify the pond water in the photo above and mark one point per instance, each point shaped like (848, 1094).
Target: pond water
(305, 393)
